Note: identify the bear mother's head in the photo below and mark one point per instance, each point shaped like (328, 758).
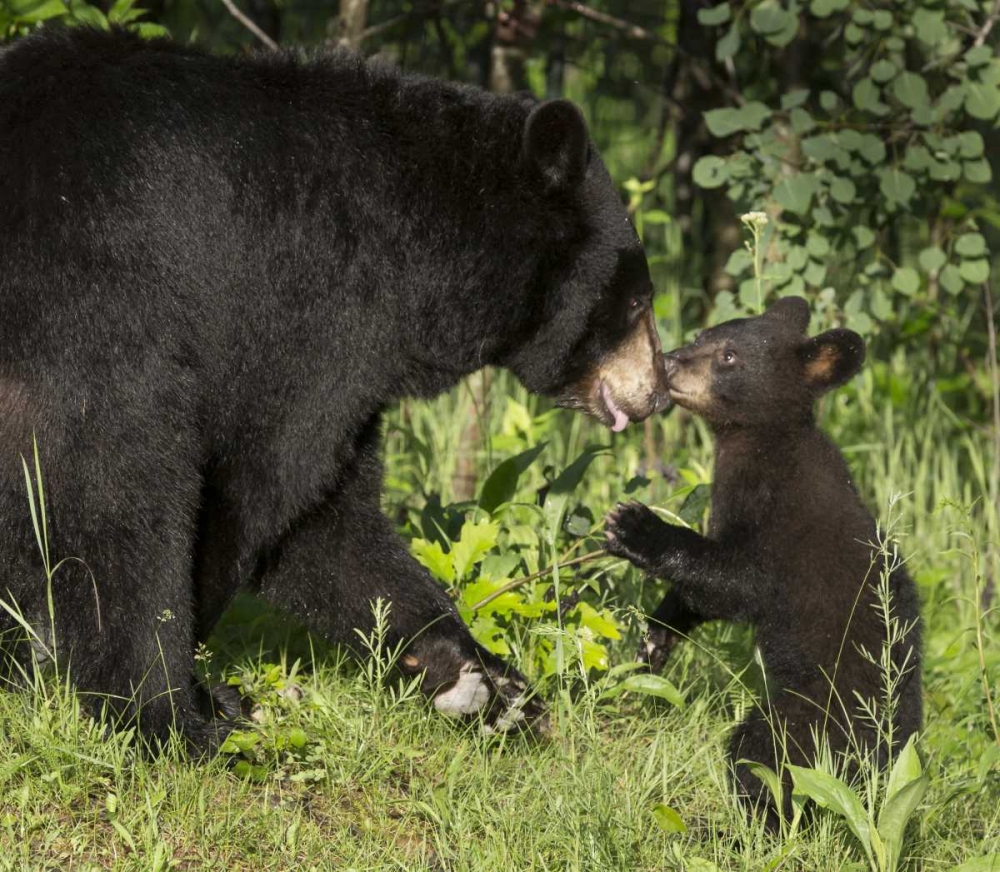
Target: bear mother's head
(591, 339)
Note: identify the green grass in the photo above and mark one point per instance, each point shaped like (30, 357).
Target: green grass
(342, 771)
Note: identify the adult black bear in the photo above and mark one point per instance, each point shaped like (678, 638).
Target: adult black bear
(789, 548)
(216, 274)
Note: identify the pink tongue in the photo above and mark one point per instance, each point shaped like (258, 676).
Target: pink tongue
(621, 419)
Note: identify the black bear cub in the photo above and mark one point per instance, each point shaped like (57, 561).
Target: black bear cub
(791, 549)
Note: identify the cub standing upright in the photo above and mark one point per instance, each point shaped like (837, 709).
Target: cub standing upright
(791, 548)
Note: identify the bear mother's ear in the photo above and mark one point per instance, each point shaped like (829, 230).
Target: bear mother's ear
(554, 145)
(832, 358)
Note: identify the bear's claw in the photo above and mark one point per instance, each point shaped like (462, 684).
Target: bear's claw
(629, 530)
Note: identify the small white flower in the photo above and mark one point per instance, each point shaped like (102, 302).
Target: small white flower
(754, 219)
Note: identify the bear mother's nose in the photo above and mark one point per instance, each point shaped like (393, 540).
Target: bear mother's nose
(670, 364)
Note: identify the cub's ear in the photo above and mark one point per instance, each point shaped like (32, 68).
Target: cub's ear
(793, 311)
(554, 145)
(832, 358)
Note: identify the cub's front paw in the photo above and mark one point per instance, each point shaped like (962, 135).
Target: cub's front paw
(631, 531)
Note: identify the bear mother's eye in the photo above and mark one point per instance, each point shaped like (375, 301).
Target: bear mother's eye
(729, 356)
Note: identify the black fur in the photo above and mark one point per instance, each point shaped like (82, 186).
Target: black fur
(789, 543)
(216, 275)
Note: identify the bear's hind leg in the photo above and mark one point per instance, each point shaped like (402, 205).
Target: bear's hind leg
(120, 530)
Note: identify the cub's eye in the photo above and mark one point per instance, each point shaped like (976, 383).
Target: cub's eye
(729, 356)
(633, 304)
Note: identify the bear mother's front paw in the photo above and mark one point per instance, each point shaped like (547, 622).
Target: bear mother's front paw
(497, 694)
(631, 531)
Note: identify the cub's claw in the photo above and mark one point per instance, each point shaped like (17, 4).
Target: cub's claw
(630, 530)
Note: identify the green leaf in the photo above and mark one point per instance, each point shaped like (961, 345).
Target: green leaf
(487, 633)
(817, 245)
(797, 257)
(871, 148)
(769, 18)
(770, 778)
(656, 216)
(433, 557)
(896, 185)
(981, 54)
(695, 503)
(739, 261)
(843, 190)
(917, 158)
(896, 813)
(562, 488)
(726, 47)
(929, 25)
(832, 793)
(982, 101)
(971, 245)
(149, 30)
(119, 8)
(501, 485)
(814, 274)
(970, 144)
(931, 259)
(725, 122)
(793, 99)
(89, 15)
(667, 819)
(795, 193)
(828, 100)
(880, 305)
(823, 217)
(951, 279)
(822, 148)
(239, 742)
(905, 769)
(714, 15)
(911, 90)
(802, 121)
(866, 95)
(475, 543)
(600, 623)
(860, 323)
(906, 281)
(864, 237)
(882, 71)
(978, 171)
(945, 170)
(882, 19)
(826, 8)
(42, 12)
(593, 654)
(710, 172)
(975, 272)
(654, 685)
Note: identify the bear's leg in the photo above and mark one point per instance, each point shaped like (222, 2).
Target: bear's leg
(344, 556)
(754, 741)
(120, 524)
(668, 625)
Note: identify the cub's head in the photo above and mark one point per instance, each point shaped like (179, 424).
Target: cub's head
(590, 340)
(764, 370)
